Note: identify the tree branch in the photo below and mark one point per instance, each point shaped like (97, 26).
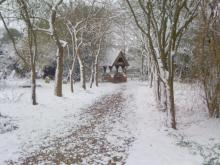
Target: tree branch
(13, 41)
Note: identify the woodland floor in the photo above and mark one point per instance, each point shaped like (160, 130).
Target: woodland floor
(114, 124)
(90, 141)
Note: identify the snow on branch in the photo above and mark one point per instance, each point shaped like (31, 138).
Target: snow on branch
(2, 1)
(51, 20)
(63, 43)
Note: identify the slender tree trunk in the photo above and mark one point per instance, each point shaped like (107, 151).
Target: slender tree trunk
(82, 69)
(59, 72)
(170, 91)
(33, 75)
(96, 72)
(71, 74)
(171, 105)
(151, 80)
(32, 40)
(163, 89)
(82, 75)
(156, 86)
(96, 76)
(33, 84)
(92, 75)
(142, 66)
(71, 81)
(163, 96)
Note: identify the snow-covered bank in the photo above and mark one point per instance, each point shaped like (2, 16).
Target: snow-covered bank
(192, 114)
(49, 118)
(159, 145)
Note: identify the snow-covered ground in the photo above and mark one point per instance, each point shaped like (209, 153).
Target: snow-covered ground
(196, 142)
(24, 127)
(49, 118)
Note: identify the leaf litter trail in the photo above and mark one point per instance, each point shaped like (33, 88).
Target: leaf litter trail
(102, 137)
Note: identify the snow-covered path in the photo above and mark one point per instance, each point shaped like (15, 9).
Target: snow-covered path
(153, 144)
(92, 141)
(196, 141)
(120, 126)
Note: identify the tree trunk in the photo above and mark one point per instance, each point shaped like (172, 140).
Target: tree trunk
(92, 75)
(71, 81)
(32, 38)
(156, 86)
(59, 72)
(96, 77)
(82, 75)
(96, 66)
(170, 91)
(82, 69)
(71, 74)
(33, 84)
(151, 80)
(142, 66)
(163, 96)
(171, 106)
(163, 89)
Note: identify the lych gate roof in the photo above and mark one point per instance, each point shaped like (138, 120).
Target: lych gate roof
(112, 56)
(121, 60)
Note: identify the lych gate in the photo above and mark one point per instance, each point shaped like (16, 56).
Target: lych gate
(114, 67)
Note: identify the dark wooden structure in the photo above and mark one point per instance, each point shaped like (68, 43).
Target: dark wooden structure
(114, 67)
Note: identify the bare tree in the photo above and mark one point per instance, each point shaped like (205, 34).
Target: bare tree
(52, 31)
(95, 63)
(101, 29)
(77, 42)
(83, 28)
(32, 44)
(207, 59)
(165, 23)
